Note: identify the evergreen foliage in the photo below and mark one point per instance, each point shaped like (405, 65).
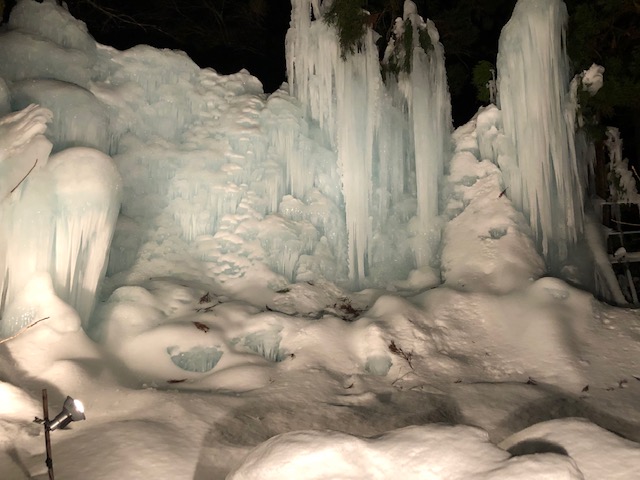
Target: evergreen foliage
(401, 57)
(349, 19)
(482, 75)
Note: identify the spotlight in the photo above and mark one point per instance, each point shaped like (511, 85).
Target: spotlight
(72, 411)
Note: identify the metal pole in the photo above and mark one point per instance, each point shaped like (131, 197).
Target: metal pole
(47, 438)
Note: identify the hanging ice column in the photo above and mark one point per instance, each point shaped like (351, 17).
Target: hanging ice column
(385, 155)
(343, 97)
(422, 90)
(533, 82)
(57, 217)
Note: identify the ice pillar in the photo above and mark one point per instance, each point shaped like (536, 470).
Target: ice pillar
(533, 82)
(343, 96)
(426, 96)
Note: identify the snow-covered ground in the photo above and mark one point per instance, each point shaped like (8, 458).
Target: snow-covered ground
(225, 342)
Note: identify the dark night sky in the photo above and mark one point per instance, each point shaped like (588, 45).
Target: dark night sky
(260, 51)
(263, 54)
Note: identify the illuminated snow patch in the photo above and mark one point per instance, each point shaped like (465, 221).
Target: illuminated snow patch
(197, 359)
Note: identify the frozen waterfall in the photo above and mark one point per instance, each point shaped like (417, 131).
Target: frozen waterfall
(538, 115)
(390, 138)
(334, 176)
(57, 216)
(57, 212)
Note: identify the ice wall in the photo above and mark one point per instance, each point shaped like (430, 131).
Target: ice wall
(544, 179)
(390, 161)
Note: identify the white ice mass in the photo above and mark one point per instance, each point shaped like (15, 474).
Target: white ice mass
(327, 282)
(389, 139)
(542, 176)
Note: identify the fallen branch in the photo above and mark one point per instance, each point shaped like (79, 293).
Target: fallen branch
(25, 177)
(23, 329)
(401, 353)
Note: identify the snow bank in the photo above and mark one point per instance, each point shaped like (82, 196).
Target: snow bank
(429, 452)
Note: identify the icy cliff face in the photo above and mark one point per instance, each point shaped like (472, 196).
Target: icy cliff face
(544, 180)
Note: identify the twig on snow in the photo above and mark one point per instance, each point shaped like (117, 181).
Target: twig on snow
(23, 329)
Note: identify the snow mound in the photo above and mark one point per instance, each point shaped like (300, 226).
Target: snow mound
(425, 452)
(600, 454)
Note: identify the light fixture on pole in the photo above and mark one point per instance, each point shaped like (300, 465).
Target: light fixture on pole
(72, 411)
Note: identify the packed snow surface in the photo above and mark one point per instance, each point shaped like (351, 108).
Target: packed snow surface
(227, 340)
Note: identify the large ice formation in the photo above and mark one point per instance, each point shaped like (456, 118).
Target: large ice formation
(390, 162)
(338, 175)
(543, 176)
(57, 213)
(57, 216)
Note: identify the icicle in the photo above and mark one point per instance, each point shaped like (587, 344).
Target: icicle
(343, 97)
(430, 112)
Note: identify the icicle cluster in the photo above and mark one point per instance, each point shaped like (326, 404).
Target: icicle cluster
(57, 219)
(386, 157)
(538, 114)
(422, 91)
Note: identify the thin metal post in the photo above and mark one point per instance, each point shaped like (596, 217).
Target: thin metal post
(47, 438)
